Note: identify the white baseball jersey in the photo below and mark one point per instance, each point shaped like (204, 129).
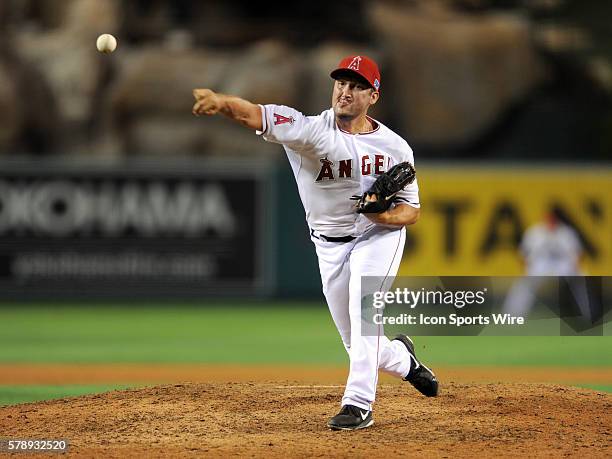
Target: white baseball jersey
(551, 251)
(331, 165)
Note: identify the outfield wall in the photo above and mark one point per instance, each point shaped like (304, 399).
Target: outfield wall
(201, 228)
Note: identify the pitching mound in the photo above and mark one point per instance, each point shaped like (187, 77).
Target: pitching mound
(288, 419)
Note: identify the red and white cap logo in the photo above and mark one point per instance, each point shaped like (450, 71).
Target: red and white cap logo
(362, 66)
(354, 65)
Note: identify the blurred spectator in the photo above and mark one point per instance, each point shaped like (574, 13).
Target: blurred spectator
(474, 78)
(28, 108)
(304, 24)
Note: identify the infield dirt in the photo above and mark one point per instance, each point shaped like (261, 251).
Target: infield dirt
(284, 419)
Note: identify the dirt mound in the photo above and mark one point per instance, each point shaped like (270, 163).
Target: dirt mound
(280, 419)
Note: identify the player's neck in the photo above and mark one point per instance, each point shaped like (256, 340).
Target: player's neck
(357, 125)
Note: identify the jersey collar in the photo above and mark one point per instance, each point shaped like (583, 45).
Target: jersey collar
(375, 124)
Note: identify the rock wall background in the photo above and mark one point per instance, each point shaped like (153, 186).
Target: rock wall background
(507, 79)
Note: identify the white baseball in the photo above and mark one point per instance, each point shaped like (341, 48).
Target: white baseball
(106, 43)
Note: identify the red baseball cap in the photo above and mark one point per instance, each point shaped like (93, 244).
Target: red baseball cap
(363, 66)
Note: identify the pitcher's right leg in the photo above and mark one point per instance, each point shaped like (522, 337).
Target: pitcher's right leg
(335, 275)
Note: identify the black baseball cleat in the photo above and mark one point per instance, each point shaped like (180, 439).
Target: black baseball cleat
(351, 418)
(421, 377)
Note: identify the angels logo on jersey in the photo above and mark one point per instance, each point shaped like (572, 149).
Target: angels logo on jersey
(280, 119)
(345, 167)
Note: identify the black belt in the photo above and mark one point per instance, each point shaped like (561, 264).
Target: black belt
(333, 239)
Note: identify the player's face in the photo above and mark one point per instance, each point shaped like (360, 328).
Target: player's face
(352, 98)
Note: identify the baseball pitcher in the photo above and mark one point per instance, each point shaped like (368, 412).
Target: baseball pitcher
(357, 183)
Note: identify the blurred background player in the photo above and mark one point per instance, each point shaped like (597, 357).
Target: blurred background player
(549, 248)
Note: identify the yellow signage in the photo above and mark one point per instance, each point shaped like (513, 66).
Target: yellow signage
(472, 220)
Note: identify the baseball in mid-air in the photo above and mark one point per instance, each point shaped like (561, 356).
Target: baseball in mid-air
(106, 43)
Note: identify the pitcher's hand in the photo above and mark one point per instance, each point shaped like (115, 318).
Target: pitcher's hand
(207, 102)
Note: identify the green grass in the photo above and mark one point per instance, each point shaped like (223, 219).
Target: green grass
(597, 387)
(231, 333)
(12, 395)
(227, 333)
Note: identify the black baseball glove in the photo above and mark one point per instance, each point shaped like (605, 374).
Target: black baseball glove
(385, 188)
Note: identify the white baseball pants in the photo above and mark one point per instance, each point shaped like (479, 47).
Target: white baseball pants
(376, 253)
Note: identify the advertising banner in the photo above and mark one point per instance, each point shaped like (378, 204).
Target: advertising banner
(473, 219)
(154, 229)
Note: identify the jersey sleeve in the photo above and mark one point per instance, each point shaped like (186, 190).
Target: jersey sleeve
(410, 194)
(288, 126)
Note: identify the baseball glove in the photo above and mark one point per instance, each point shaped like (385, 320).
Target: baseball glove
(380, 196)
